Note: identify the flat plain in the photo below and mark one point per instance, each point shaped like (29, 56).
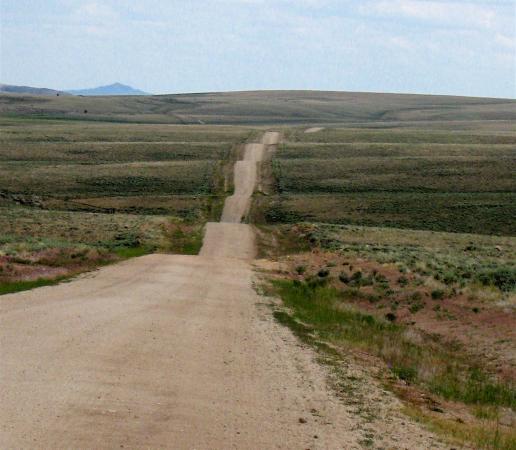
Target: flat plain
(439, 180)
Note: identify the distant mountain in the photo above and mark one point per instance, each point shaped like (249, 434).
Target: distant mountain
(12, 89)
(112, 89)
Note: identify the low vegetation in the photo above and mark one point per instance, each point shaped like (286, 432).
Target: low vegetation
(77, 195)
(455, 212)
(437, 310)
(396, 244)
(398, 133)
(442, 180)
(266, 107)
(414, 358)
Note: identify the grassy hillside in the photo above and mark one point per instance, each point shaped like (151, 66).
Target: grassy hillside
(264, 107)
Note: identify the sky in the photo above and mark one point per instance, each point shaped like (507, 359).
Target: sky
(458, 47)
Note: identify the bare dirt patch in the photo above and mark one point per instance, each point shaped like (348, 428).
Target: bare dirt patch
(313, 130)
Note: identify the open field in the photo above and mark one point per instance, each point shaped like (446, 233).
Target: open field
(73, 165)
(35, 129)
(483, 132)
(437, 180)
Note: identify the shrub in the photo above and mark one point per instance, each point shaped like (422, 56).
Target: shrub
(437, 294)
(323, 273)
(415, 307)
(415, 296)
(449, 278)
(300, 270)
(407, 374)
(380, 278)
(344, 278)
(402, 281)
(503, 278)
(391, 317)
(356, 276)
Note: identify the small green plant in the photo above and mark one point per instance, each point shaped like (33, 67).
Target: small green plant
(405, 373)
(18, 286)
(403, 281)
(391, 317)
(442, 369)
(437, 294)
(503, 278)
(300, 270)
(323, 273)
(344, 278)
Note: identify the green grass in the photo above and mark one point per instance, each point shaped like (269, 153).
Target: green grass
(18, 286)
(183, 238)
(462, 174)
(351, 151)
(136, 169)
(77, 181)
(33, 229)
(27, 130)
(132, 252)
(356, 308)
(487, 437)
(106, 152)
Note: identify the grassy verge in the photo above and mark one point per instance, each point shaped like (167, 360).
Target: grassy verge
(18, 286)
(418, 360)
(182, 238)
(489, 436)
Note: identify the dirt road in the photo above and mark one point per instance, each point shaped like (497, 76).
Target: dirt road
(237, 205)
(175, 352)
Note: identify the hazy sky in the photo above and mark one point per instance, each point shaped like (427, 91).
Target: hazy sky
(464, 47)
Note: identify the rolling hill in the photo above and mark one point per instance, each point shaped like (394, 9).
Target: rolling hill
(266, 107)
(13, 89)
